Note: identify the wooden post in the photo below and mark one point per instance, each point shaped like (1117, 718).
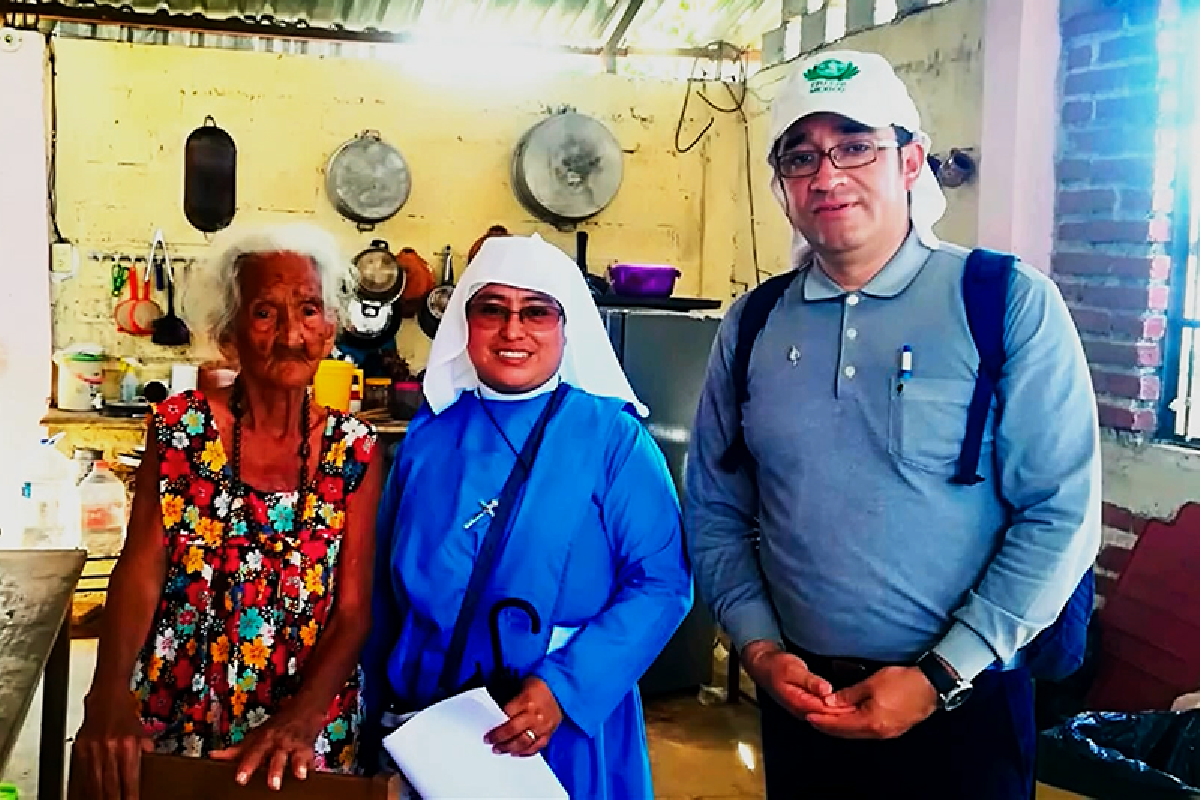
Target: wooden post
(812, 30)
(860, 15)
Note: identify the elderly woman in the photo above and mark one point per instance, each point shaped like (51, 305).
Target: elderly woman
(241, 600)
(529, 500)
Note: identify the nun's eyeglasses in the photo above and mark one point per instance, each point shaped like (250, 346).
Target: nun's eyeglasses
(535, 317)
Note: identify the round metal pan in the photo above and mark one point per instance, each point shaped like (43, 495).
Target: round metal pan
(367, 180)
(566, 168)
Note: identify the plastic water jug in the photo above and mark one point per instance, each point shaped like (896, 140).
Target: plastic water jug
(102, 502)
(49, 501)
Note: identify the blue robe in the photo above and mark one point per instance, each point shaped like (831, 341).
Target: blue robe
(595, 545)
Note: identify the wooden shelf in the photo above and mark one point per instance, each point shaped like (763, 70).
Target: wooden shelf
(57, 419)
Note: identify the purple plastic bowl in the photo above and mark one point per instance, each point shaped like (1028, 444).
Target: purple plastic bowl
(643, 280)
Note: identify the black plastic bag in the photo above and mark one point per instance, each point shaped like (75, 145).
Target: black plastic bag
(1105, 754)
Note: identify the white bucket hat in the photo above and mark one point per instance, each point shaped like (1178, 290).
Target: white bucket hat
(862, 87)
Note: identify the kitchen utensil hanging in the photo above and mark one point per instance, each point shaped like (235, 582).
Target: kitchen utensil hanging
(209, 178)
(137, 314)
(370, 324)
(566, 168)
(430, 315)
(169, 330)
(495, 230)
(596, 284)
(418, 281)
(367, 180)
(380, 276)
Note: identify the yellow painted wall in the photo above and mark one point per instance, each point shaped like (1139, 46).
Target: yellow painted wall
(125, 110)
(938, 54)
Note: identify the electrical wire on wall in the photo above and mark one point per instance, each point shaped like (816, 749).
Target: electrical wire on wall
(52, 168)
(737, 90)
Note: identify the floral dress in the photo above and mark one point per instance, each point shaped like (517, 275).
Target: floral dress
(249, 587)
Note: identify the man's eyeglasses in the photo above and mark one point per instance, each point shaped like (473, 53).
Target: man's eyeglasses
(535, 317)
(804, 162)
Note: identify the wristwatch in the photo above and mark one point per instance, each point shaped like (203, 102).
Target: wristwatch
(951, 689)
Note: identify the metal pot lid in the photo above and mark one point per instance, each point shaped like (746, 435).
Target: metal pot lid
(567, 168)
(367, 179)
(368, 318)
(380, 276)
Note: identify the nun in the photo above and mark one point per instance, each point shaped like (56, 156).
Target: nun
(529, 532)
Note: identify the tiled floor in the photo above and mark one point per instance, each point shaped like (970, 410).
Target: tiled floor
(698, 750)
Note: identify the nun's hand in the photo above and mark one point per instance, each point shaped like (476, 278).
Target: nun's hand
(533, 716)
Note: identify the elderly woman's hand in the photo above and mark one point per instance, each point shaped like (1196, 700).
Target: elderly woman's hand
(286, 738)
(533, 716)
(108, 748)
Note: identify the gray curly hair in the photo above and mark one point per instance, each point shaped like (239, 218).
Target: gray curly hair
(213, 295)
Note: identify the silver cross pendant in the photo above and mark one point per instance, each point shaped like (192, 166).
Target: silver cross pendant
(793, 355)
(487, 509)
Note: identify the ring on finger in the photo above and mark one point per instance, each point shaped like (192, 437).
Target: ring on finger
(532, 736)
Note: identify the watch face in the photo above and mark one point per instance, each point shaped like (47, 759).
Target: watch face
(956, 696)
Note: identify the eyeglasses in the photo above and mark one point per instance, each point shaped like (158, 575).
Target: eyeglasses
(806, 162)
(535, 317)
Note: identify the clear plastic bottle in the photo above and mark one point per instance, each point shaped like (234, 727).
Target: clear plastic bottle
(102, 502)
(49, 501)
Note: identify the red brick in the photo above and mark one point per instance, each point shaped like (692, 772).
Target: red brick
(1114, 298)
(1114, 516)
(1137, 172)
(1073, 170)
(1126, 418)
(1113, 141)
(1139, 524)
(1130, 355)
(1078, 57)
(1093, 22)
(1114, 559)
(1116, 79)
(1137, 326)
(1143, 267)
(1143, 106)
(1087, 201)
(1077, 112)
(1105, 586)
(1091, 320)
(1146, 202)
(1130, 46)
(1115, 231)
(1124, 384)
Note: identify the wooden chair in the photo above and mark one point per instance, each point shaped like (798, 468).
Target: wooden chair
(180, 778)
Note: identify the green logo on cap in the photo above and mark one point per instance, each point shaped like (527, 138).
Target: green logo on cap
(830, 75)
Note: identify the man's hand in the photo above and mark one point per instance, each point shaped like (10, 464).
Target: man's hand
(883, 706)
(789, 680)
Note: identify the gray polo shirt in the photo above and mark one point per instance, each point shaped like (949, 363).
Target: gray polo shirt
(866, 548)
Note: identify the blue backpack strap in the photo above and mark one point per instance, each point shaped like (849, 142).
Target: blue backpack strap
(985, 296)
(757, 308)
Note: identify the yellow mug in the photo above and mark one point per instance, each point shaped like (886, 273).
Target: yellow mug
(333, 381)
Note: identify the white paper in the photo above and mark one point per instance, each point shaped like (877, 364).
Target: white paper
(442, 753)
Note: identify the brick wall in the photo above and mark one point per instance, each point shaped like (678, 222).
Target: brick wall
(1114, 197)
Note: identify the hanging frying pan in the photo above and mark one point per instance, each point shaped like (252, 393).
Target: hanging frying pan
(566, 168)
(209, 178)
(367, 180)
(430, 314)
(380, 276)
(370, 325)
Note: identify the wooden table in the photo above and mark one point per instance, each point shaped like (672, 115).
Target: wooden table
(35, 640)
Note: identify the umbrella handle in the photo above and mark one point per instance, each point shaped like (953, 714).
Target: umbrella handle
(535, 624)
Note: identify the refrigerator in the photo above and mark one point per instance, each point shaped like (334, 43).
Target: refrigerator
(665, 354)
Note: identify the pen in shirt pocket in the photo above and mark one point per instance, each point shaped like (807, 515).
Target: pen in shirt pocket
(906, 367)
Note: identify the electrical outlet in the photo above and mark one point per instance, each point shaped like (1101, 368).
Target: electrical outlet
(62, 259)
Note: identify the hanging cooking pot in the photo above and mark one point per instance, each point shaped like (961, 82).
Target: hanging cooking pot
(430, 314)
(495, 230)
(418, 281)
(380, 276)
(209, 178)
(566, 168)
(370, 324)
(367, 180)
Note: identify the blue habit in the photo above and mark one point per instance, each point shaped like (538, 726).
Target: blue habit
(595, 547)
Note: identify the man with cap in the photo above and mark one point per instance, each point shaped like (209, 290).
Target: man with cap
(880, 607)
